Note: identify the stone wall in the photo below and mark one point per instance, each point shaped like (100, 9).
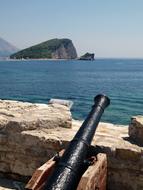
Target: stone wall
(125, 158)
(25, 142)
(30, 134)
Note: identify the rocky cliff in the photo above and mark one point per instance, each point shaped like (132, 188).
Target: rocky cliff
(51, 49)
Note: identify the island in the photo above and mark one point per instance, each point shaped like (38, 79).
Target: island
(87, 56)
(51, 49)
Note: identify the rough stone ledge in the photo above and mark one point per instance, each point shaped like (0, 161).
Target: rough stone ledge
(21, 116)
(136, 130)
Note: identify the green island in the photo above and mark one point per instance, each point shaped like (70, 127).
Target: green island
(51, 49)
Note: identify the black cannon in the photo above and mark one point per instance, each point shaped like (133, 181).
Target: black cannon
(74, 161)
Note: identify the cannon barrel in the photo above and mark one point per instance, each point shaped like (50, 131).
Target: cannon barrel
(71, 165)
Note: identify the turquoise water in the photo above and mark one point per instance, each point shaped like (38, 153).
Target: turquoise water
(79, 81)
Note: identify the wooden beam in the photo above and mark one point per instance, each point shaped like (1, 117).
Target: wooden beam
(93, 179)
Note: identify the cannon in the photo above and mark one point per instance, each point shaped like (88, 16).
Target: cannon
(77, 156)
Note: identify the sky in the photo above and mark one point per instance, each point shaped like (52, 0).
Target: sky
(108, 28)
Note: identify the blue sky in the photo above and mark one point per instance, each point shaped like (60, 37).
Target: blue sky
(109, 28)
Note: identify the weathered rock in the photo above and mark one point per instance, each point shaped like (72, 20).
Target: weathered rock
(87, 57)
(136, 129)
(125, 163)
(67, 51)
(24, 143)
(18, 116)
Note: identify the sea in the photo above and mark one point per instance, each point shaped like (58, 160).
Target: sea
(38, 81)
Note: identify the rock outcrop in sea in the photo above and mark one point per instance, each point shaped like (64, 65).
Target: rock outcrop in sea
(87, 56)
(51, 49)
(30, 134)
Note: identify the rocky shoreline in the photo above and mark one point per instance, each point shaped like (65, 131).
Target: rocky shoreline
(30, 134)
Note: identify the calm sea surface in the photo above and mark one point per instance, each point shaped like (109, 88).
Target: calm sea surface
(79, 81)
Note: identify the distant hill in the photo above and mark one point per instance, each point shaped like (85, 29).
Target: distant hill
(6, 49)
(51, 49)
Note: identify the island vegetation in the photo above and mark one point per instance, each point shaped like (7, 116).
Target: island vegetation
(51, 49)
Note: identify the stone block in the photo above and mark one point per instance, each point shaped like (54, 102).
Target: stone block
(22, 116)
(136, 129)
(25, 143)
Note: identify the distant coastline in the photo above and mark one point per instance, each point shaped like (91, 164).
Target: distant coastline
(97, 58)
